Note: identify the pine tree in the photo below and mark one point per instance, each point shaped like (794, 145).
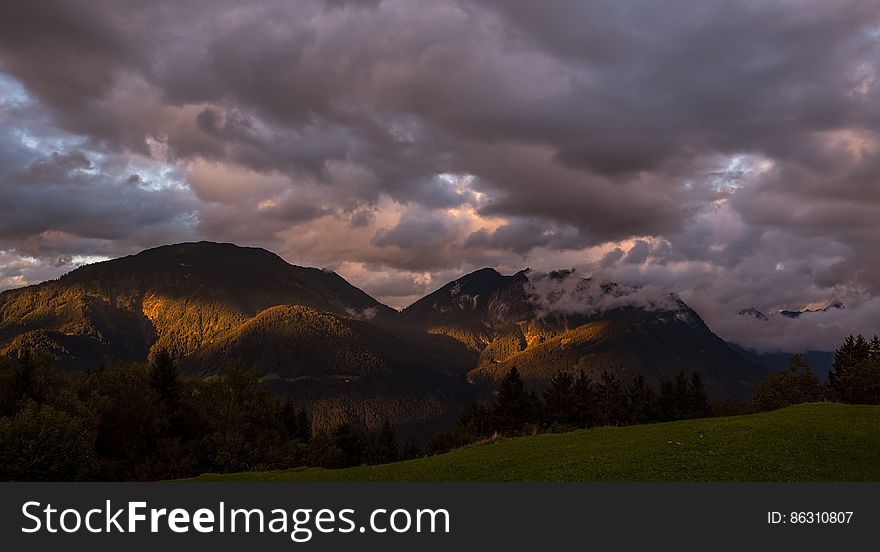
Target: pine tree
(34, 378)
(642, 401)
(667, 404)
(560, 400)
(304, 423)
(164, 379)
(874, 348)
(585, 401)
(863, 348)
(385, 445)
(534, 409)
(296, 422)
(352, 445)
(851, 379)
(610, 399)
(511, 404)
(699, 401)
(681, 390)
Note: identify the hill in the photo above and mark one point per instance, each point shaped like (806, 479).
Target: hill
(346, 357)
(811, 442)
(178, 296)
(313, 336)
(347, 370)
(542, 323)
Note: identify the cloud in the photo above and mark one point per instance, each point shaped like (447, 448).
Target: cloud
(638, 253)
(53, 203)
(564, 292)
(811, 331)
(729, 152)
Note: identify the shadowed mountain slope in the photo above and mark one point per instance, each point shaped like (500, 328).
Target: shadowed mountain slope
(346, 357)
(312, 336)
(558, 321)
(180, 297)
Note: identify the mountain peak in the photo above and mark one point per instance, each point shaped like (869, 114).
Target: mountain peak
(178, 296)
(204, 256)
(754, 313)
(472, 292)
(481, 274)
(558, 320)
(213, 302)
(834, 305)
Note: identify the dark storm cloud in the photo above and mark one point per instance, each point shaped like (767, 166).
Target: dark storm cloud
(61, 194)
(67, 52)
(523, 235)
(639, 252)
(421, 241)
(727, 147)
(627, 87)
(60, 204)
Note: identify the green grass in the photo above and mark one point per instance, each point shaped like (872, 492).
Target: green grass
(811, 442)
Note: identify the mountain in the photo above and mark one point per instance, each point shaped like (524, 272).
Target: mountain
(180, 297)
(754, 313)
(346, 357)
(820, 361)
(311, 334)
(469, 308)
(544, 323)
(796, 314)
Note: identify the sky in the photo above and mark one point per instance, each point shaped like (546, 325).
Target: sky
(726, 151)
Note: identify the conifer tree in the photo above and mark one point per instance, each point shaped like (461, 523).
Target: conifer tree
(296, 422)
(699, 406)
(642, 401)
(559, 399)
(874, 348)
(610, 399)
(681, 389)
(667, 403)
(164, 378)
(352, 446)
(511, 404)
(385, 445)
(585, 401)
(853, 379)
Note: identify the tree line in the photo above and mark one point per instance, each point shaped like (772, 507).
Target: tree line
(854, 378)
(143, 422)
(574, 401)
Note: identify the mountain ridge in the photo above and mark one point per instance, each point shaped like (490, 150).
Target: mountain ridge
(314, 336)
(177, 297)
(544, 323)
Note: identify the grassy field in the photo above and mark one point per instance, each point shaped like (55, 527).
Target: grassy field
(812, 442)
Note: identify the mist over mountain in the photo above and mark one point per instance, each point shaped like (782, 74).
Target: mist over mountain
(821, 362)
(346, 357)
(473, 133)
(807, 330)
(543, 323)
(754, 313)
